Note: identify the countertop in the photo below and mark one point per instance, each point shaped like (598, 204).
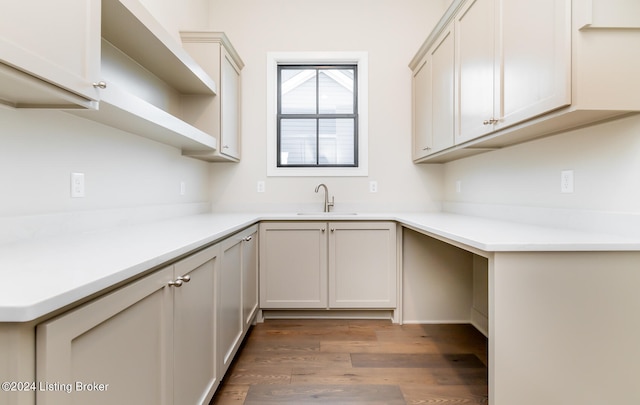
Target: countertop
(43, 275)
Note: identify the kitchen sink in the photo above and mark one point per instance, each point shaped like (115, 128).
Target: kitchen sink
(328, 214)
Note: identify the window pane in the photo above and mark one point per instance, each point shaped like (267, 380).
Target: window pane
(297, 142)
(336, 91)
(298, 91)
(337, 144)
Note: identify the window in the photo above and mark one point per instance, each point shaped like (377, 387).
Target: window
(317, 114)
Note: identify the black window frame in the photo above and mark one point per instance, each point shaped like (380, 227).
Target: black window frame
(317, 116)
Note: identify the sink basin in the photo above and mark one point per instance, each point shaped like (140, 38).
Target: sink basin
(328, 214)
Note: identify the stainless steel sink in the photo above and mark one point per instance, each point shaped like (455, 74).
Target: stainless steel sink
(328, 214)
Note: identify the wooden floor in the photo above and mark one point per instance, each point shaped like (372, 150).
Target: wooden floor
(357, 362)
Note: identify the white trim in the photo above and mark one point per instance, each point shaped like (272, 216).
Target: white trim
(359, 58)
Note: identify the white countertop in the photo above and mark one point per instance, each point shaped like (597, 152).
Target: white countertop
(43, 275)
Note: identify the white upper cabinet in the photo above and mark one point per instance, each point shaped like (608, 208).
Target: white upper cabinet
(433, 98)
(475, 70)
(221, 118)
(533, 58)
(527, 69)
(49, 53)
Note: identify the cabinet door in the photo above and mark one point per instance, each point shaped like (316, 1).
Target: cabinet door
(230, 106)
(195, 375)
(124, 339)
(49, 52)
(249, 275)
(534, 56)
(362, 265)
(422, 108)
(229, 291)
(293, 265)
(442, 87)
(474, 35)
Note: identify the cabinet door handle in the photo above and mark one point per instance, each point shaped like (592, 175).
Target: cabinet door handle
(248, 238)
(490, 122)
(177, 283)
(322, 229)
(225, 147)
(101, 84)
(426, 148)
(186, 278)
(333, 230)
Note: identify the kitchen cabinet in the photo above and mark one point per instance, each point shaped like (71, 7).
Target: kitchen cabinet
(328, 265)
(249, 276)
(433, 98)
(293, 265)
(362, 265)
(124, 339)
(150, 80)
(35, 71)
(511, 63)
(474, 30)
(524, 70)
(221, 117)
(152, 340)
(237, 293)
(195, 373)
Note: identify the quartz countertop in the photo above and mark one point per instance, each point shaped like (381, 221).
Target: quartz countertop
(43, 275)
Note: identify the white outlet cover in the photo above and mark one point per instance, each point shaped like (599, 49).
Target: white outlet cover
(566, 181)
(77, 185)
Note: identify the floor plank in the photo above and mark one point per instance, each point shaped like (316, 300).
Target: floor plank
(325, 394)
(357, 362)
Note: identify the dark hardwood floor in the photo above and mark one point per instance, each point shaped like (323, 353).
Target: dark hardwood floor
(357, 362)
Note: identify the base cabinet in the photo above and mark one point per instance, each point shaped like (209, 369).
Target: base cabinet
(237, 293)
(341, 265)
(166, 338)
(123, 341)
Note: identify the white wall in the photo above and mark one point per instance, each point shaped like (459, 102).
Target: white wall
(391, 32)
(128, 178)
(604, 158)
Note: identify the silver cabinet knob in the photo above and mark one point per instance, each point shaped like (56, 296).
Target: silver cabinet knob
(248, 238)
(177, 283)
(101, 84)
(186, 278)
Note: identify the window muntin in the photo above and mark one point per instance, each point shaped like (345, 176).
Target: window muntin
(317, 116)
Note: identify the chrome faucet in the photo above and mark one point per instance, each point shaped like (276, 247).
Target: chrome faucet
(327, 204)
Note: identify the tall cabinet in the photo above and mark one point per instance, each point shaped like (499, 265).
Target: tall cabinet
(221, 117)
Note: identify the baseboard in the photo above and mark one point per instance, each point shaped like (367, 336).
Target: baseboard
(326, 314)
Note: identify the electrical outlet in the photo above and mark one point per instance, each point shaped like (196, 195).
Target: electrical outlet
(566, 181)
(183, 188)
(77, 185)
(373, 186)
(260, 187)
